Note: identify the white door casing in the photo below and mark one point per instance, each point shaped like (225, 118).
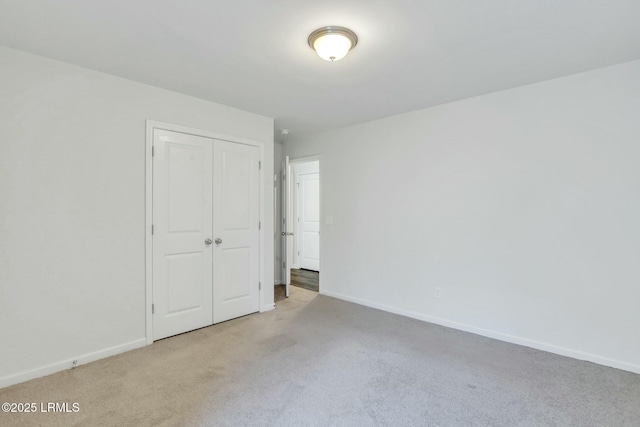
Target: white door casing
(182, 221)
(236, 231)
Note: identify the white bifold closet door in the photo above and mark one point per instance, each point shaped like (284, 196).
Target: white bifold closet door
(205, 237)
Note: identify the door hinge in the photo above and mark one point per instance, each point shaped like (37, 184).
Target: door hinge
(284, 264)
(259, 164)
(298, 253)
(153, 308)
(259, 225)
(259, 286)
(153, 150)
(152, 229)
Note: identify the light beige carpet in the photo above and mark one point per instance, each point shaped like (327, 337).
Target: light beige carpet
(320, 361)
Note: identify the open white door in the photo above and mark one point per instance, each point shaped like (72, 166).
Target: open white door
(236, 255)
(182, 225)
(286, 234)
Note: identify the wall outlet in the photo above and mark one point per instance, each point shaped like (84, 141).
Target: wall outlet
(74, 364)
(437, 292)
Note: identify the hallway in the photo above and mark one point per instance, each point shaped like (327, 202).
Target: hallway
(305, 279)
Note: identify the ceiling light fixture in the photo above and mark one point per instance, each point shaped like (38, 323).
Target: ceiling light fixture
(332, 43)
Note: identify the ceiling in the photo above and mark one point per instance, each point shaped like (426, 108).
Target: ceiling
(253, 54)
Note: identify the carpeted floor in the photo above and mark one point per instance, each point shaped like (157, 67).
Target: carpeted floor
(320, 361)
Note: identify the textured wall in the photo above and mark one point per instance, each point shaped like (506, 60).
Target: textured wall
(522, 206)
(72, 230)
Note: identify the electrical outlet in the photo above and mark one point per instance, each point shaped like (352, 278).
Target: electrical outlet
(437, 292)
(74, 364)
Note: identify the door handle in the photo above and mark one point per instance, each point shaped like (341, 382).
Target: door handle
(218, 241)
(284, 233)
(208, 241)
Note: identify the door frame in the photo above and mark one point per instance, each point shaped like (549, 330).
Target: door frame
(288, 194)
(296, 200)
(150, 126)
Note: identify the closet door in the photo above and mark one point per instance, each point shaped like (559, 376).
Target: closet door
(182, 221)
(236, 233)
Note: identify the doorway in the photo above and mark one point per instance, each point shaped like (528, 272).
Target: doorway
(301, 223)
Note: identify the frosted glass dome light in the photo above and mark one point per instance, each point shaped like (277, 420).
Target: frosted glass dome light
(332, 43)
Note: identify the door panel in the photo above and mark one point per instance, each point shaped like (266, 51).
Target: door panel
(236, 275)
(311, 250)
(235, 174)
(185, 172)
(311, 199)
(236, 216)
(184, 281)
(182, 220)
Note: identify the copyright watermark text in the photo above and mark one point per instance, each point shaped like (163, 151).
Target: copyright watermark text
(23, 407)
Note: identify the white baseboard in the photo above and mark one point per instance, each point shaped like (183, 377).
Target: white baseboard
(268, 307)
(575, 354)
(67, 364)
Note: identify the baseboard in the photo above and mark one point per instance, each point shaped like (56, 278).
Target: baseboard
(278, 282)
(67, 364)
(575, 354)
(268, 307)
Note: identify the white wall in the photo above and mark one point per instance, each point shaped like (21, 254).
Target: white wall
(72, 210)
(522, 205)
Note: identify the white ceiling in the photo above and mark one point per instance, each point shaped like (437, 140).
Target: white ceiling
(254, 55)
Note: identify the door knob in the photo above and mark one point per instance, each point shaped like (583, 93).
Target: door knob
(284, 233)
(208, 241)
(218, 241)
